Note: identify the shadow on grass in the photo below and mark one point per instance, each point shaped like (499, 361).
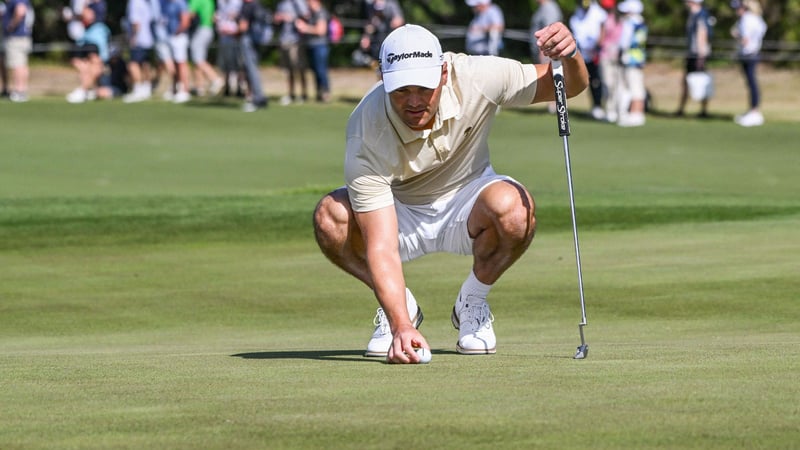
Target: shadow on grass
(323, 355)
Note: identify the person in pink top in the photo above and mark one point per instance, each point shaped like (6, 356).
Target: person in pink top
(609, 60)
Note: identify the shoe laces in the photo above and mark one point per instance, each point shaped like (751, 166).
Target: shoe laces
(381, 322)
(475, 313)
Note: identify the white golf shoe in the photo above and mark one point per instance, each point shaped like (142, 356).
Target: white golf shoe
(78, 95)
(473, 319)
(750, 119)
(632, 120)
(382, 337)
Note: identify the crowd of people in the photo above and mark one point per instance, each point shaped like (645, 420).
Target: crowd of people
(168, 41)
(613, 38)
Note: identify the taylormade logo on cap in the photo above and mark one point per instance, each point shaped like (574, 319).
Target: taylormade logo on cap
(411, 56)
(392, 58)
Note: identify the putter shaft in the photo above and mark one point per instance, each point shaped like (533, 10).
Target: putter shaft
(564, 131)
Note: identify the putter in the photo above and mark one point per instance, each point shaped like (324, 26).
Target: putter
(563, 131)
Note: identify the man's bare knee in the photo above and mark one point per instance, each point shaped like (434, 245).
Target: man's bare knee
(332, 218)
(511, 209)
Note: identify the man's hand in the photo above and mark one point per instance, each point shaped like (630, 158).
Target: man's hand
(406, 339)
(555, 41)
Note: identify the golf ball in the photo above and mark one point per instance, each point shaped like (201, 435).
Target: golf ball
(424, 355)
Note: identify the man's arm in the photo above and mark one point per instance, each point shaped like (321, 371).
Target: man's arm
(379, 231)
(186, 21)
(556, 42)
(702, 44)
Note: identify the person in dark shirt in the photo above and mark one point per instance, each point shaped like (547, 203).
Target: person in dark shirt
(247, 16)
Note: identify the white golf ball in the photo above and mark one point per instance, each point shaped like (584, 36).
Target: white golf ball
(424, 355)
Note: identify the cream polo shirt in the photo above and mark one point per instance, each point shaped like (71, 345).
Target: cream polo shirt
(385, 159)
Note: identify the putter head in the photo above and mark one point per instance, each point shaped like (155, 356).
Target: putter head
(583, 352)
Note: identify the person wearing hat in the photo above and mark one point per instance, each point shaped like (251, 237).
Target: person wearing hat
(383, 16)
(608, 60)
(485, 30)
(548, 12)
(418, 180)
(632, 43)
(586, 24)
(698, 35)
(749, 33)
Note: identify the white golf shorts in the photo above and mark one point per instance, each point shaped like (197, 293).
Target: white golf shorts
(441, 226)
(17, 50)
(199, 43)
(634, 81)
(175, 49)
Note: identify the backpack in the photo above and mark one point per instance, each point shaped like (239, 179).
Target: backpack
(335, 30)
(261, 25)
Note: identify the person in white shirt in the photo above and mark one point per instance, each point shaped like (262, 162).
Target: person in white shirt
(749, 32)
(587, 24)
(485, 31)
(418, 180)
(139, 16)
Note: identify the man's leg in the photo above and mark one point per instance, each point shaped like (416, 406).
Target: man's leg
(502, 225)
(3, 72)
(339, 237)
(341, 242)
(250, 61)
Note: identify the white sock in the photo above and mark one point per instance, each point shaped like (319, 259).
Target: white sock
(474, 287)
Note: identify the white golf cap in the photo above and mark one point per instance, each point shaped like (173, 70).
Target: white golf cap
(474, 3)
(631, 7)
(411, 56)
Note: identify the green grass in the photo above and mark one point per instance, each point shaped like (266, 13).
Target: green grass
(160, 288)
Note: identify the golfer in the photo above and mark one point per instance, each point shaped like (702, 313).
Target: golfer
(418, 180)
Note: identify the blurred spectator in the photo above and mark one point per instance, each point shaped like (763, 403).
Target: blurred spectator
(100, 8)
(175, 54)
(485, 31)
(226, 20)
(548, 12)
(201, 37)
(3, 70)
(89, 56)
(749, 32)
(699, 27)
(632, 59)
(17, 28)
(610, 71)
(383, 16)
(293, 53)
(315, 33)
(139, 17)
(586, 24)
(255, 94)
(114, 80)
(72, 15)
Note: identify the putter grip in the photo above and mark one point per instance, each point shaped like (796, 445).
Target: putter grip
(561, 97)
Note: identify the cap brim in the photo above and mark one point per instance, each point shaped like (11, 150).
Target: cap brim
(427, 77)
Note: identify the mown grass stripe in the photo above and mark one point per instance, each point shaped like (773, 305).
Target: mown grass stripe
(37, 223)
